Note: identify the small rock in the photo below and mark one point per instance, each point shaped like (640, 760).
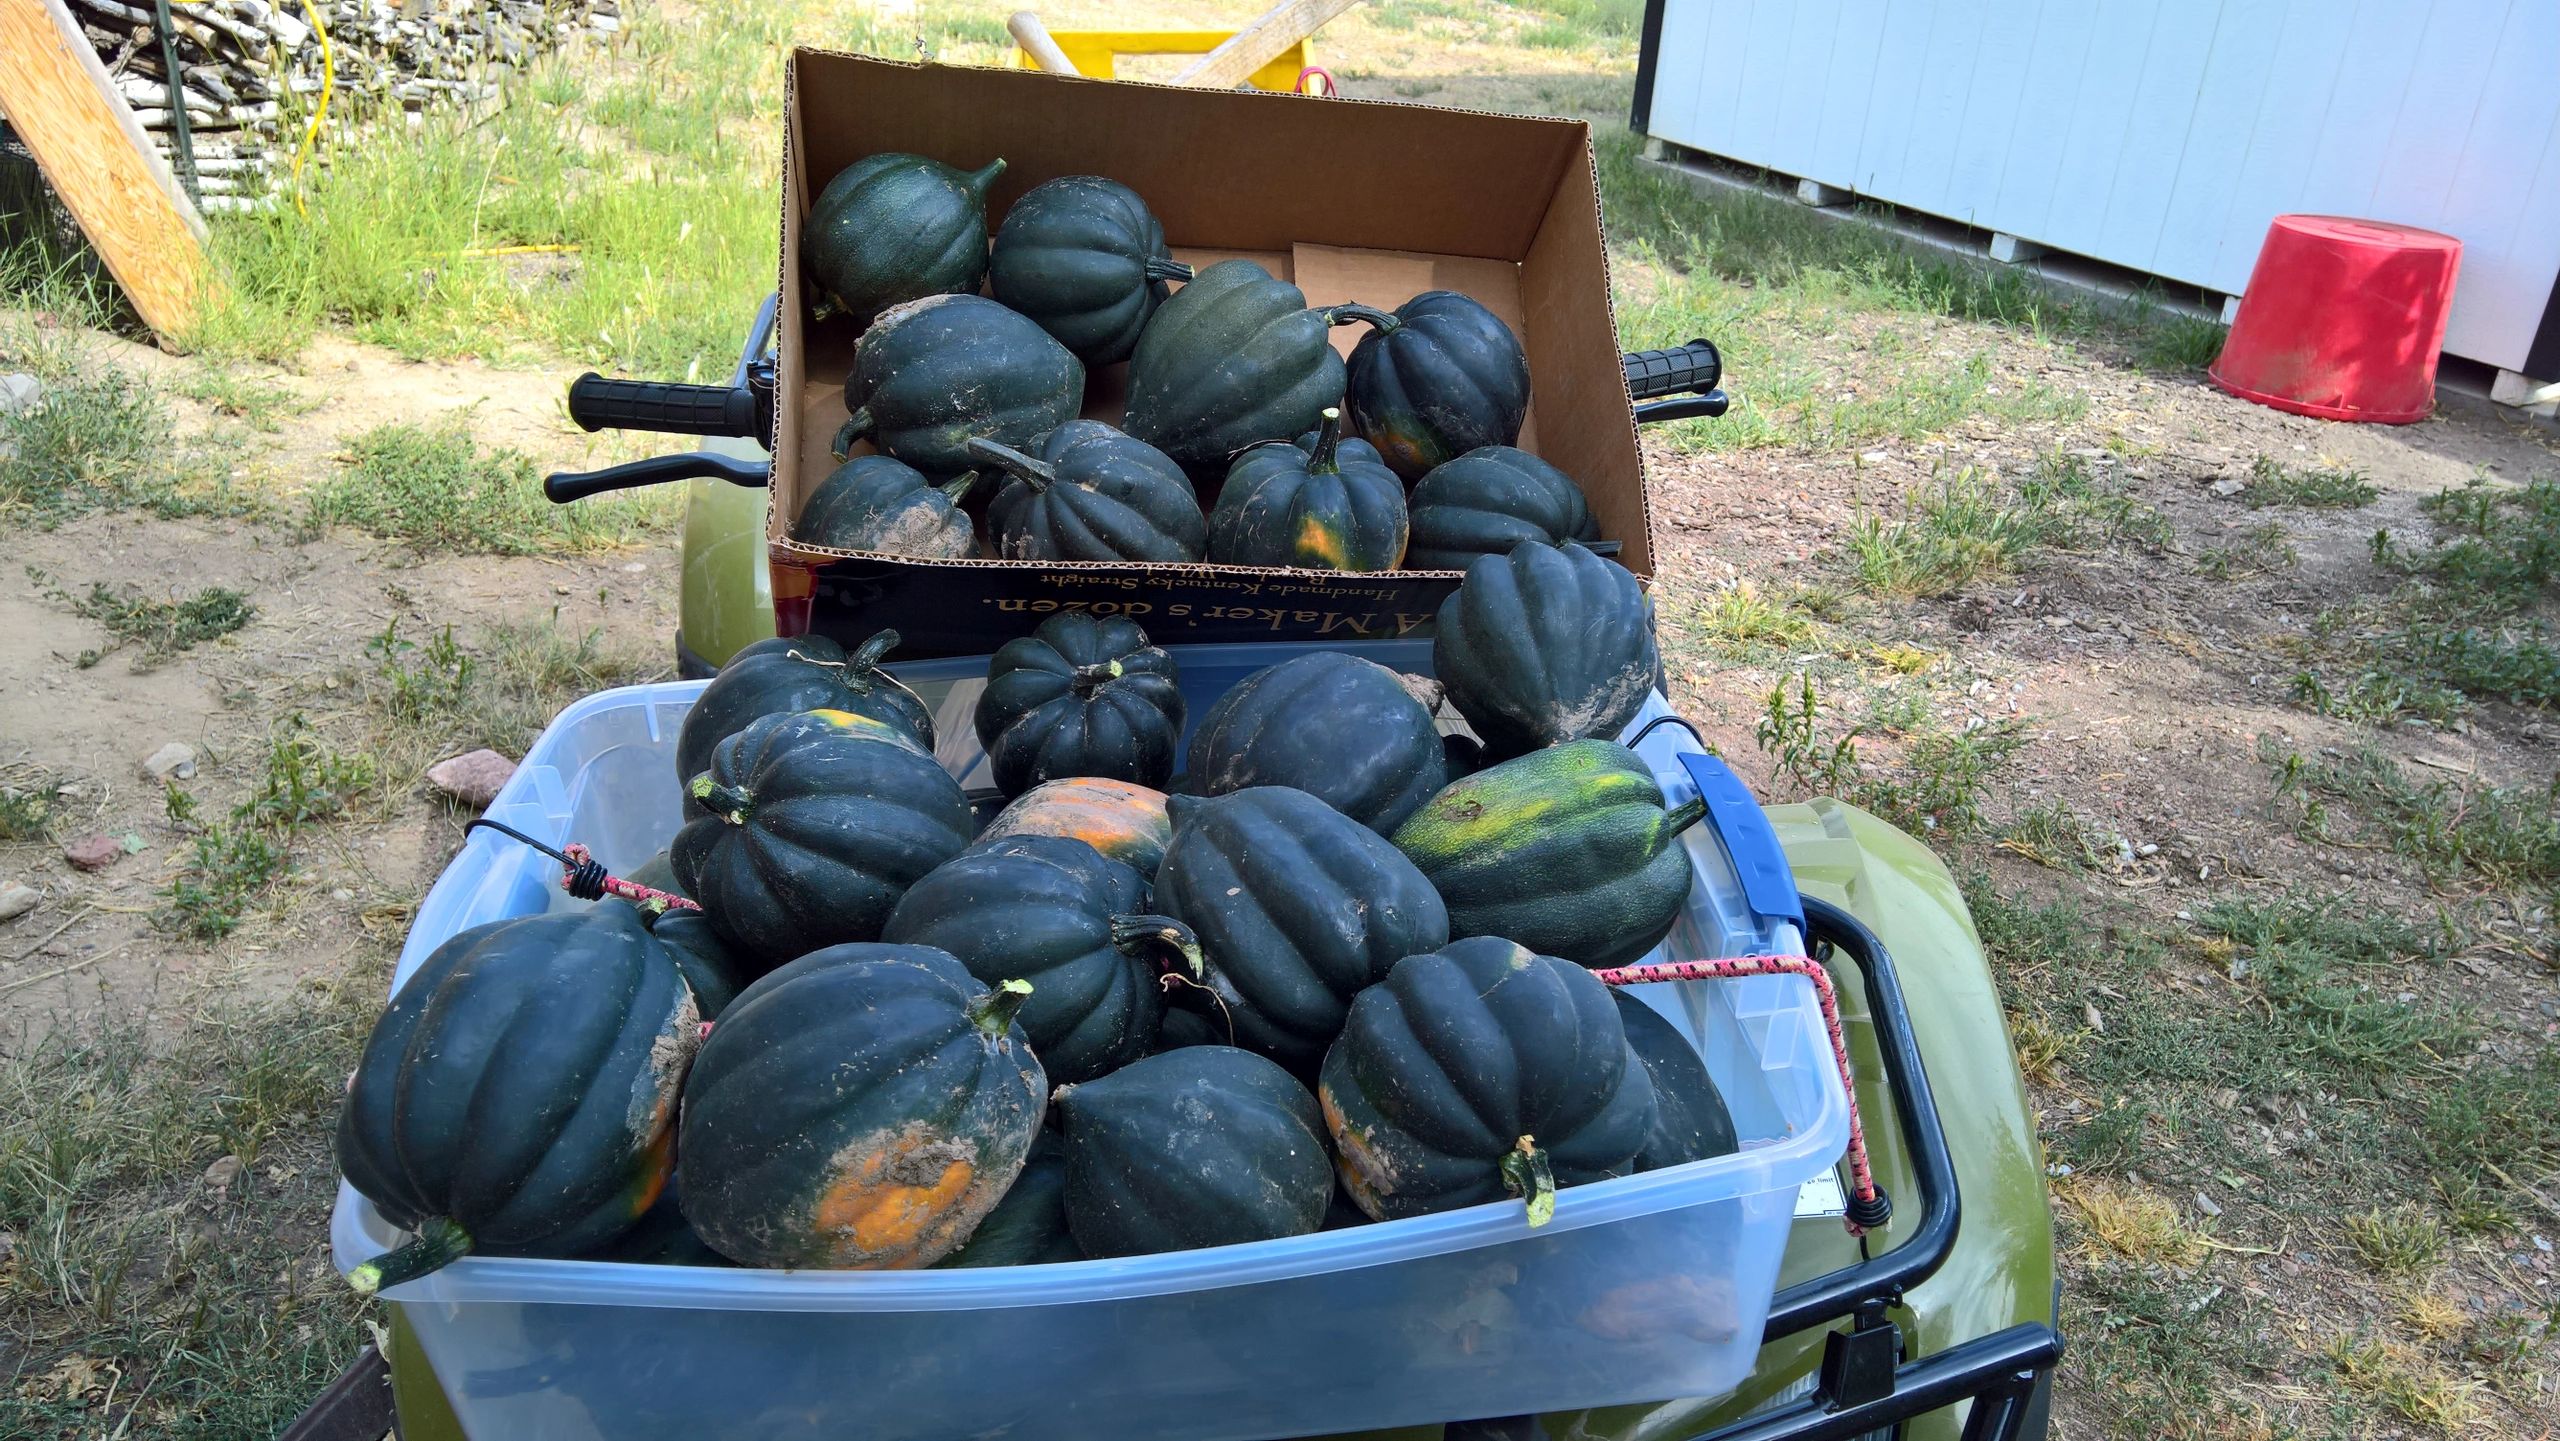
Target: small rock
(472, 778)
(342, 894)
(16, 901)
(223, 1174)
(19, 391)
(94, 853)
(2229, 485)
(174, 761)
(2206, 1204)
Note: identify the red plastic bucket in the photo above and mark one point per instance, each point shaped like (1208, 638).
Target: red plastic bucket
(2343, 320)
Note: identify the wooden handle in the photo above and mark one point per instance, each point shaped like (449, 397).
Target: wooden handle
(1260, 43)
(1034, 39)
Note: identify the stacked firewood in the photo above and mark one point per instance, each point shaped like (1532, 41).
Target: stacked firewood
(250, 70)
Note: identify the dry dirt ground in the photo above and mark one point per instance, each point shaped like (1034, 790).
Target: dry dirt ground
(2141, 676)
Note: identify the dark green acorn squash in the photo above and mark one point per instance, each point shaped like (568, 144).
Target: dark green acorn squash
(1478, 1072)
(1546, 644)
(1204, 1146)
(1489, 500)
(862, 1107)
(877, 504)
(457, 1130)
(890, 228)
(1086, 260)
(1343, 729)
(1439, 377)
(932, 374)
(657, 873)
(1323, 505)
(1233, 358)
(1690, 1120)
(1075, 925)
(1092, 494)
(1029, 1226)
(1122, 820)
(714, 974)
(1567, 850)
(812, 826)
(787, 675)
(1185, 1027)
(1297, 908)
(1080, 696)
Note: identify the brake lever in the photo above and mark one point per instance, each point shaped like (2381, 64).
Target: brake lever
(564, 486)
(1684, 407)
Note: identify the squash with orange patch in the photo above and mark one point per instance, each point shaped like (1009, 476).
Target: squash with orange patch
(1319, 502)
(863, 1107)
(460, 1132)
(1123, 820)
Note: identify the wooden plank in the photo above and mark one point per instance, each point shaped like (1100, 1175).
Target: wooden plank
(66, 111)
(1261, 42)
(1034, 39)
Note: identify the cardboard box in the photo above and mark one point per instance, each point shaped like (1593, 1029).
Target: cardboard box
(1346, 199)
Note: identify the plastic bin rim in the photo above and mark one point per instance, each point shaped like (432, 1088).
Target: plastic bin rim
(1788, 1162)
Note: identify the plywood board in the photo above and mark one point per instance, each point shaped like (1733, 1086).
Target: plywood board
(59, 100)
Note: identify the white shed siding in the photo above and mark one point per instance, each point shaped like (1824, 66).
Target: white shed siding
(2161, 135)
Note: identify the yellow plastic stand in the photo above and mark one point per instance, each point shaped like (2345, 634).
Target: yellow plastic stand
(1097, 53)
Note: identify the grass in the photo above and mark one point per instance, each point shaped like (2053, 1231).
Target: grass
(2501, 837)
(434, 488)
(234, 866)
(2052, 835)
(162, 628)
(2271, 482)
(434, 697)
(2260, 550)
(1969, 527)
(1742, 621)
(204, 1314)
(1936, 784)
(100, 437)
(2400, 1242)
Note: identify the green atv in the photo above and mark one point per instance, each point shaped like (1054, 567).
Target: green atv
(1939, 1322)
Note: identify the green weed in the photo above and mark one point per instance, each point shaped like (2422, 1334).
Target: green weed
(26, 812)
(2501, 836)
(2052, 834)
(259, 404)
(1553, 35)
(2260, 550)
(1961, 530)
(1615, 19)
(1742, 620)
(1789, 732)
(2398, 1242)
(2175, 341)
(98, 438)
(1943, 777)
(2305, 487)
(435, 488)
(162, 628)
(433, 699)
(234, 865)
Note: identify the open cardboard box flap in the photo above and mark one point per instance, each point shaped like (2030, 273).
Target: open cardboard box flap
(1348, 199)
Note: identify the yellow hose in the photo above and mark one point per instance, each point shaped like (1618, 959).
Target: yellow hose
(311, 132)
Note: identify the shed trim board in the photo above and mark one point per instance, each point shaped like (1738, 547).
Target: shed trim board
(2157, 135)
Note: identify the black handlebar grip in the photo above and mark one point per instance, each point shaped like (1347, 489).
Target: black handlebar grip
(597, 403)
(563, 486)
(1695, 366)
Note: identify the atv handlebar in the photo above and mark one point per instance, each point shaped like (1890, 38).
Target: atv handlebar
(563, 486)
(1653, 375)
(597, 403)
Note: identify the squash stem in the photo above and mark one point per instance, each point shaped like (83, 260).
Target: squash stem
(956, 489)
(1320, 461)
(1038, 474)
(1386, 322)
(862, 668)
(994, 1012)
(1133, 934)
(729, 803)
(980, 180)
(1160, 268)
(1526, 1174)
(1684, 815)
(850, 433)
(439, 1243)
(1091, 678)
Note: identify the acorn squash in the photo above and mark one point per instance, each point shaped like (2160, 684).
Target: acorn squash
(1568, 851)
(1546, 644)
(932, 374)
(1297, 908)
(1690, 1120)
(785, 675)
(862, 1107)
(1080, 696)
(1489, 500)
(877, 504)
(1091, 494)
(1122, 820)
(895, 227)
(1478, 1072)
(1075, 925)
(1345, 730)
(1029, 1226)
(1233, 358)
(811, 827)
(1204, 1146)
(1086, 260)
(1321, 502)
(478, 1143)
(1438, 377)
